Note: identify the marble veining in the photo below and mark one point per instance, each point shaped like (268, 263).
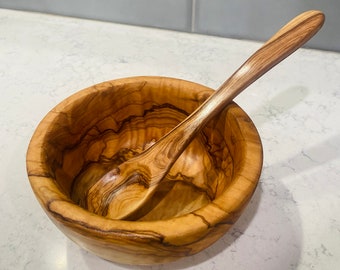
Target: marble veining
(293, 220)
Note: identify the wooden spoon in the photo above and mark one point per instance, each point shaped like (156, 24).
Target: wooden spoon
(123, 190)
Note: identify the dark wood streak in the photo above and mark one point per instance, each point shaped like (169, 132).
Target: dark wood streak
(154, 239)
(121, 125)
(140, 236)
(203, 219)
(143, 237)
(85, 135)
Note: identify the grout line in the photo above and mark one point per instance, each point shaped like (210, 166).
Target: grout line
(193, 16)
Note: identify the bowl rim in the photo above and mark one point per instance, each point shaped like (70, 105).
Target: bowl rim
(222, 210)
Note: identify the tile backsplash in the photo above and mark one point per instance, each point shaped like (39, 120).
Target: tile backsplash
(259, 19)
(243, 19)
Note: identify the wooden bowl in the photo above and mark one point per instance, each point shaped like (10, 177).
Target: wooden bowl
(99, 127)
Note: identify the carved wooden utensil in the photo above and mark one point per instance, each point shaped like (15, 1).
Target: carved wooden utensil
(123, 190)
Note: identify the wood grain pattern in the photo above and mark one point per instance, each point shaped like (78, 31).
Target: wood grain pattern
(127, 187)
(107, 125)
(104, 125)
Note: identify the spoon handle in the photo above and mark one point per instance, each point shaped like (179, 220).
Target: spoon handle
(288, 39)
(123, 190)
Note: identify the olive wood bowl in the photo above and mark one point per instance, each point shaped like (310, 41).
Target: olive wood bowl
(97, 128)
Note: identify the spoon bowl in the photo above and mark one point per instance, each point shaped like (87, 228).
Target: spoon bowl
(95, 129)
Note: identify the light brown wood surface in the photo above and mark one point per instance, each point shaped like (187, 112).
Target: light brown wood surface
(123, 191)
(97, 128)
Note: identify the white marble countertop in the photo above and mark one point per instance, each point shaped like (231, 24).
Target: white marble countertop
(293, 220)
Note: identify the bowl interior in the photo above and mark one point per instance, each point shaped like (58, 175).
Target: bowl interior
(100, 127)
